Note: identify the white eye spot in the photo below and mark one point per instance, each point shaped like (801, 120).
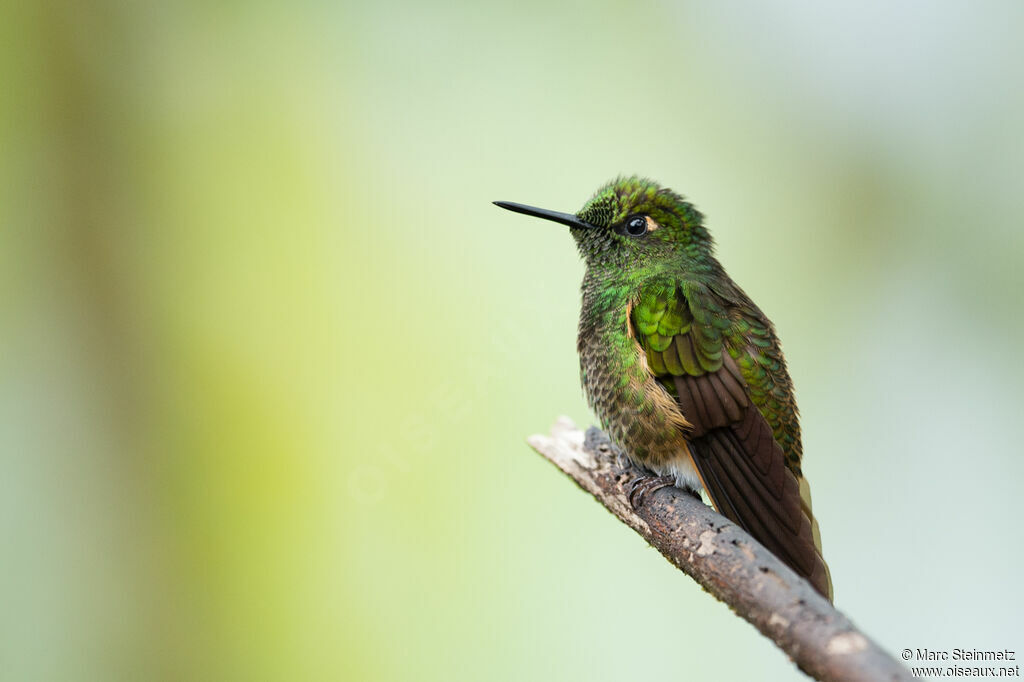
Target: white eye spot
(637, 225)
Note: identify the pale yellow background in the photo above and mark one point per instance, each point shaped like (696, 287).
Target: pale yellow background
(269, 355)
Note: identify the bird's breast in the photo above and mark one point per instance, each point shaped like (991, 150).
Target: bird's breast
(638, 414)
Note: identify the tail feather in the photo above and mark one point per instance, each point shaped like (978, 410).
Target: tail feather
(805, 505)
(770, 502)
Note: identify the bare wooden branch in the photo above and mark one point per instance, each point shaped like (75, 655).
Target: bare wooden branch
(725, 560)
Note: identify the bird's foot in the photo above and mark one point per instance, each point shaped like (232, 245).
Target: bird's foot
(645, 485)
(621, 463)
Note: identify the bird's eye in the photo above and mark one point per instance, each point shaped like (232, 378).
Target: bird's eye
(636, 226)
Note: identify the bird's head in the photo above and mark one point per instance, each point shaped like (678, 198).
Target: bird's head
(633, 224)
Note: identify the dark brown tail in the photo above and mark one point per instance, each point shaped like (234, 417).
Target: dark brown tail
(744, 472)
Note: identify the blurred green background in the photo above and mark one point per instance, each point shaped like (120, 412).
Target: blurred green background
(269, 355)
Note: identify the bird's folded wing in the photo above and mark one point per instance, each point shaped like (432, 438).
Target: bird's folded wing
(741, 464)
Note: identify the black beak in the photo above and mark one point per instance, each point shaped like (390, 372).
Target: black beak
(564, 218)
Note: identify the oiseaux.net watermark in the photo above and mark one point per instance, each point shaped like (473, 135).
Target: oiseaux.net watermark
(943, 663)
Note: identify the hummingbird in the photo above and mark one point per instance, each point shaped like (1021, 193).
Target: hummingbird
(684, 371)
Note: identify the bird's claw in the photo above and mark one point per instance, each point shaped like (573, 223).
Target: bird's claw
(641, 487)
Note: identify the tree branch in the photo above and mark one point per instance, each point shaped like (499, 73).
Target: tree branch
(724, 560)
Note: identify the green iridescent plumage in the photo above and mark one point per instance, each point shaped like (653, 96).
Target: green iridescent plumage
(684, 370)
(679, 342)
